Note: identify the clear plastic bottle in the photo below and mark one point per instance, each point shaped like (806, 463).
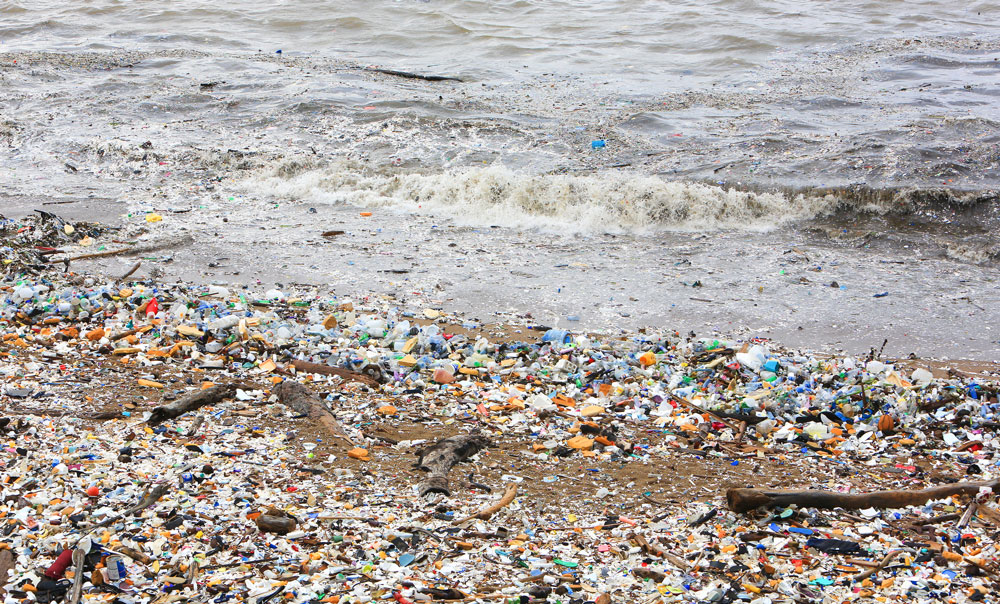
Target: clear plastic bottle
(557, 336)
(223, 323)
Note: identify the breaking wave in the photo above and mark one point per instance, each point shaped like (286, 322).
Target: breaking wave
(607, 202)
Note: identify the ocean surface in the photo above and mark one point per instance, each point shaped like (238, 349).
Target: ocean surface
(823, 174)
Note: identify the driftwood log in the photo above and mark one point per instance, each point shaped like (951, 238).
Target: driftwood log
(744, 500)
(138, 249)
(192, 574)
(303, 401)
(151, 497)
(439, 458)
(240, 563)
(190, 402)
(347, 374)
(103, 415)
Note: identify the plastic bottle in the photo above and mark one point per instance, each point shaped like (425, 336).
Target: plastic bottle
(559, 336)
(223, 323)
(399, 330)
(765, 427)
(752, 359)
(283, 333)
(436, 342)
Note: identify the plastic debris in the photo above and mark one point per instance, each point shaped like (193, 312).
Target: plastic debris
(152, 454)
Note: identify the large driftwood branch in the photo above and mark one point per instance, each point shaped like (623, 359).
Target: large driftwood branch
(439, 458)
(987, 567)
(186, 404)
(303, 401)
(485, 513)
(347, 374)
(744, 500)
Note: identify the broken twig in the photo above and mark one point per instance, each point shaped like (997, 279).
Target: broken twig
(719, 418)
(134, 268)
(485, 513)
(151, 497)
(885, 562)
(413, 76)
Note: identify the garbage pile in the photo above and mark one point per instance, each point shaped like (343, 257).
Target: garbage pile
(168, 442)
(28, 245)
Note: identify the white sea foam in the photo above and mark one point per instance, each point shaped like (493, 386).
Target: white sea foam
(606, 202)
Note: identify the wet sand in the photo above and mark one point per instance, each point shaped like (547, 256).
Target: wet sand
(767, 287)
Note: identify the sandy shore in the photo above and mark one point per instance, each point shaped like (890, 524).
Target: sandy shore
(616, 454)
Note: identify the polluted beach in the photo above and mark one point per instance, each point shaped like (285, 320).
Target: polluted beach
(501, 302)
